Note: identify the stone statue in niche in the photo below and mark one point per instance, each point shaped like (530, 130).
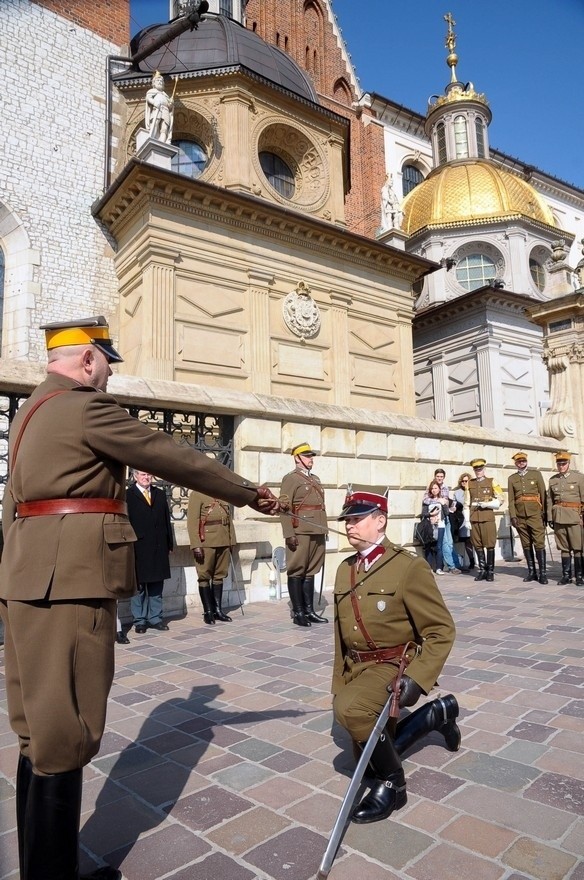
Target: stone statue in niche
(390, 209)
(301, 313)
(159, 113)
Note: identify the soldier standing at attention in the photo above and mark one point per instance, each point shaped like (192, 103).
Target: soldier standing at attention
(305, 537)
(211, 536)
(565, 506)
(68, 555)
(387, 607)
(485, 498)
(527, 510)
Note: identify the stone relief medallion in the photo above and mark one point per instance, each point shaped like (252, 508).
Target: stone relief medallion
(301, 313)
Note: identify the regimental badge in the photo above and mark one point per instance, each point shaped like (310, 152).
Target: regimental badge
(381, 605)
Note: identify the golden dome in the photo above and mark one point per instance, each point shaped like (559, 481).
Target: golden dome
(471, 191)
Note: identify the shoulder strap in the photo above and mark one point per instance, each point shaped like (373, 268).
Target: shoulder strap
(27, 419)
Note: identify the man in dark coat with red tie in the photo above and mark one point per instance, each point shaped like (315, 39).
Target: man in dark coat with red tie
(150, 518)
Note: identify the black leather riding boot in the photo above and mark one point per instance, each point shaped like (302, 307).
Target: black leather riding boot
(308, 596)
(217, 596)
(23, 779)
(297, 599)
(51, 832)
(542, 562)
(438, 715)
(482, 573)
(531, 572)
(566, 577)
(208, 602)
(490, 576)
(470, 553)
(388, 792)
(579, 579)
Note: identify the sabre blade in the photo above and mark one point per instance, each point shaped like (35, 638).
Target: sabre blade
(349, 799)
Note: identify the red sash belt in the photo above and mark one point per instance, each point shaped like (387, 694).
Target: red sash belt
(71, 505)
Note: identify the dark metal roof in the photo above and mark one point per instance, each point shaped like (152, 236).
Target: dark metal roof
(220, 42)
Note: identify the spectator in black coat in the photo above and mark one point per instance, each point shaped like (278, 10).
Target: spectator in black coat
(150, 518)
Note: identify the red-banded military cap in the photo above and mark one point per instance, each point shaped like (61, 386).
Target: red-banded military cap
(83, 331)
(363, 503)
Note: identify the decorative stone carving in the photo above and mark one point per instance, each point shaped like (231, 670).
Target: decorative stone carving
(303, 156)
(301, 313)
(390, 208)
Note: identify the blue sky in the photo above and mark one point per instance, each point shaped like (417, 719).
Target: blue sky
(525, 55)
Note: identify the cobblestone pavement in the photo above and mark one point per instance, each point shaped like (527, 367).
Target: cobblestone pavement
(219, 760)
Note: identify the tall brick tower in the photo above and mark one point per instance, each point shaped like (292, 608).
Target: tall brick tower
(308, 31)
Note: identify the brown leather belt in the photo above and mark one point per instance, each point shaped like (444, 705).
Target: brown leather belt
(530, 498)
(297, 507)
(575, 504)
(71, 505)
(379, 656)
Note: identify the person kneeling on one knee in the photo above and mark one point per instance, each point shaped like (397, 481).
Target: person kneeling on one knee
(387, 606)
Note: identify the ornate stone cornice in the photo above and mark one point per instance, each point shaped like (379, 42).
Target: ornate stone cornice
(141, 184)
(476, 300)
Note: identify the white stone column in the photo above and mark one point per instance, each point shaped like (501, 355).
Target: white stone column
(235, 135)
(260, 337)
(159, 310)
(340, 302)
(488, 372)
(442, 408)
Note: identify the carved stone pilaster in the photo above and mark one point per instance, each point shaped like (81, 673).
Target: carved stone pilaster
(440, 386)
(340, 346)
(488, 376)
(159, 363)
(259, 305)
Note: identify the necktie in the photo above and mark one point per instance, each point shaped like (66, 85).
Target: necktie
(147, 496)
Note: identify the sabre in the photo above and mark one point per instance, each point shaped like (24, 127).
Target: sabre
(349, 799)
(547, 534)
(236, 582)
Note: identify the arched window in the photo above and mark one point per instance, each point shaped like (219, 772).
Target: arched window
(480, 135)
(474, 271)
(226, 8)
(537, 273)
(278, 173)
(191, 159)
(412, 176)
(441, 143)
(460, 138)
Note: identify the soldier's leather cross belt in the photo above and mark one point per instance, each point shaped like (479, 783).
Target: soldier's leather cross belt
(297, 507)
(379, 656)
(529, 498)
(71, 505)
(575, 504)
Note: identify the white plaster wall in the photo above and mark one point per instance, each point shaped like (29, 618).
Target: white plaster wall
(51, 170)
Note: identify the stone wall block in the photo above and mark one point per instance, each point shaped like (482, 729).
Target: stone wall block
(294, 433)
(259, 434)
(338, 441)
(428, 449)
(402, 446)
(369, 444)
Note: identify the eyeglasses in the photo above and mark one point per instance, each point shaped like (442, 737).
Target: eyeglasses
(465, 480)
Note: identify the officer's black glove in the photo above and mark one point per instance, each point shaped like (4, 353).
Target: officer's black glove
(514, 522)
(409, 692)
(199, 555)
(292, 543)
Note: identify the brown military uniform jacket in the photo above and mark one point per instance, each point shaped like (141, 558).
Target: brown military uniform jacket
(527, 495)
(77, 445)
(306, 497)
(399, 602)
(483, 490)
(566, 498)
(209, 522)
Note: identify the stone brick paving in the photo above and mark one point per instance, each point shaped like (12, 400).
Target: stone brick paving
(220, 759)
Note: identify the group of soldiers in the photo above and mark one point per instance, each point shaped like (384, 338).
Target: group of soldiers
(532, 509)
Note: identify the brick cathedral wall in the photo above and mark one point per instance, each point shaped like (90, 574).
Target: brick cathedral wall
(304, 31)
(109, 19)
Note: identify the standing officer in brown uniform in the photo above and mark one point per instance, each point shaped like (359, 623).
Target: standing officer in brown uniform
(305, 534)
(387, 606)
(527, 510)
(211, 535)
(485, 497)
(565, 506)
(68, 555)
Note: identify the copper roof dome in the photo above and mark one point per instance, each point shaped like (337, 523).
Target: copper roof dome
(220, 43)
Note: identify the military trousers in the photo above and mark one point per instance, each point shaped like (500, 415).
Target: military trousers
(59, 670)
(568, 537)
(358, 704)
(215, 565)
(484, 535)
(308, 558)
(531, 531)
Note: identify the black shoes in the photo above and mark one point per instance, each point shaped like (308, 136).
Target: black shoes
(386, 796)
(141, 628)
(160, 626)
(122, 638)
(105, 873)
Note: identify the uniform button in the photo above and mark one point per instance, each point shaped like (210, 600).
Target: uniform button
(355, 627)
